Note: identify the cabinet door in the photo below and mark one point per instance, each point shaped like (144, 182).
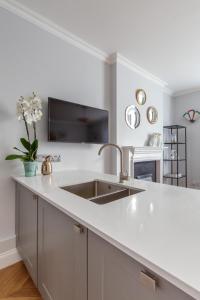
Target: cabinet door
(26, 228)
(62, 253)
(112, 275)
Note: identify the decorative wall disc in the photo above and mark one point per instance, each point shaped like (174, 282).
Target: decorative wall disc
(191, 115)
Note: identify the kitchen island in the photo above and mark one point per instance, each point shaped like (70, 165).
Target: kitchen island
(156, 232)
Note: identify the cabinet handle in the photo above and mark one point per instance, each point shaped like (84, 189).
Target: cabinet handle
(78, 228)
(148, 280)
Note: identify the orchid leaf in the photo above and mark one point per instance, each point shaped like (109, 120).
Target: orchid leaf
(34, 145)
(26, 144)
(15, 156)
(34, 148)
(15, 148)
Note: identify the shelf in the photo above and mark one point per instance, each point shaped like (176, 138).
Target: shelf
(169, 143)
(174, 176)
(182, 159)
(173, 141)
(174, 127)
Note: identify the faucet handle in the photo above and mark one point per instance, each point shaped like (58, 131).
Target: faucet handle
(124, 176)
(126, 173)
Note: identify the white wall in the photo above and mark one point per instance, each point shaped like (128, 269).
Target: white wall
(168, 119)
(34, 60)
(127, 84)
(168, 110)
(181, 105)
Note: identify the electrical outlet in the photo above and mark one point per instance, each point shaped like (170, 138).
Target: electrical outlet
(54, 157)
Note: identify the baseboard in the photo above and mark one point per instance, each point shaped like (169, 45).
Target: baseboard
(8, 252)
(194, 185)
(9, 257)
(7, 244)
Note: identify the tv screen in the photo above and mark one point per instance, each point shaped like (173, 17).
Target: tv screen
(75, 123)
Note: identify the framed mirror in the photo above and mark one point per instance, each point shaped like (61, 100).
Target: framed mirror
(140, 96)
(152, 115)
(132, 117)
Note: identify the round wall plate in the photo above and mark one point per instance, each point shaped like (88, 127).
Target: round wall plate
(152, 114)
(132, 116)
(141, 96)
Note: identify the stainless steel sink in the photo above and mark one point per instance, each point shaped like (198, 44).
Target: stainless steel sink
(115, 196)
(92, 189)
(101, 192)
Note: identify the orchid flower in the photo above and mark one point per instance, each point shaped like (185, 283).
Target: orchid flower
(29, 110)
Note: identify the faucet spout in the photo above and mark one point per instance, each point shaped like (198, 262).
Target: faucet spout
(122, 176)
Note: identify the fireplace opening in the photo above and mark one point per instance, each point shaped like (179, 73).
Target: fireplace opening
(145, 170)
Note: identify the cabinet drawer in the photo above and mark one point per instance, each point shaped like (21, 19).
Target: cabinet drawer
(113, 275)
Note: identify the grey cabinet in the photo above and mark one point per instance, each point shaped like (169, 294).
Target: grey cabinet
(112, 275)
(62, 255)
(26, 228)
(68, 262)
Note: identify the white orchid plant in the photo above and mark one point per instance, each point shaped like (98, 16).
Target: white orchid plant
(29, 110)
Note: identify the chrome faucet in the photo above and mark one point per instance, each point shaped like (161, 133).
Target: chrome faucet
(122, 176)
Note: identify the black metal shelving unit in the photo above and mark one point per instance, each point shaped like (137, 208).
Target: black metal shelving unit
(174, 164)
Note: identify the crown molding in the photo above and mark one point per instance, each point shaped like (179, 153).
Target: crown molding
(186, 92)
(118, 58)
(51, 27)
(168, 91)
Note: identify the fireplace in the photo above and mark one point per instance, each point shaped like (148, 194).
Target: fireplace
(144, 163)
(145, 170)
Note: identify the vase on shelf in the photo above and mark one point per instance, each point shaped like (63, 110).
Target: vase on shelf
(173, 154)
(173, 138)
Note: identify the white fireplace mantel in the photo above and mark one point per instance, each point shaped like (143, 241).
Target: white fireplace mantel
(133, 154)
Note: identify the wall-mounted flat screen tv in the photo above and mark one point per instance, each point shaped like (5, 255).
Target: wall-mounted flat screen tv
(75, 123)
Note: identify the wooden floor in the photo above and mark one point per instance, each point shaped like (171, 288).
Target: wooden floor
(16, 284)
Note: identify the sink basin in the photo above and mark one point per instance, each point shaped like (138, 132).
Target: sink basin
(92, 189)
(115, 196)
(101, 192)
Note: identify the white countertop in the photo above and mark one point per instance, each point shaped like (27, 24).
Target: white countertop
(159, 227)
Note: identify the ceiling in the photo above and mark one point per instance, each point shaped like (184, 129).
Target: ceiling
(160, 36)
